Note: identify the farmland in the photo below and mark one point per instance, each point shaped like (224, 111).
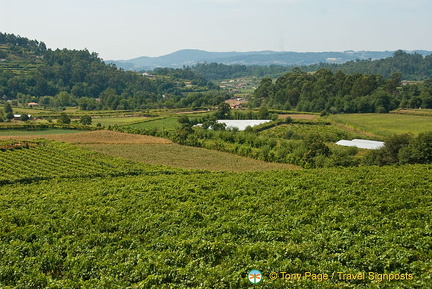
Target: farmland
(153, 227)
(153, 150)
(167, 123)
(107, 137)
(42, 160)
(30, 134)
(186, 157)
(385, 124)
(149, 213)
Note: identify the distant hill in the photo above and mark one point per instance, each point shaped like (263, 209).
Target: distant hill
(190, 57)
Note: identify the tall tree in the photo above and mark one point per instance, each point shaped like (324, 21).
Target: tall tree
(224, 111)
(7, 108)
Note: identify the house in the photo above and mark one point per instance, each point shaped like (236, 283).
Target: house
(235, 103)
(32, 104)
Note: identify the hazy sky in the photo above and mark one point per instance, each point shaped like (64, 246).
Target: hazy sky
(124, 29)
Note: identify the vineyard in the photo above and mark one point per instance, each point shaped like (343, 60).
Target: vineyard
(95, 221)
(45, 160)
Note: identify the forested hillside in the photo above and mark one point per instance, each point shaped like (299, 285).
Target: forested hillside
(413, 66)
(30, 72)
(325, 91)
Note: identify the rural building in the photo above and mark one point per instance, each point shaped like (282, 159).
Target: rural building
(32, 104)
(236, 103)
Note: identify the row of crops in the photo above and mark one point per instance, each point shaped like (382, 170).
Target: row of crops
(49, 159)
(208, 230)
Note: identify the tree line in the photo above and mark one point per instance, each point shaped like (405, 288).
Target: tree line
(328, 92)
(413, 66)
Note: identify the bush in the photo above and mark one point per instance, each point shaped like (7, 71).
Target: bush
(418, 151)
(9, 116)
(64, 119)
(86, 120)
(24, 117)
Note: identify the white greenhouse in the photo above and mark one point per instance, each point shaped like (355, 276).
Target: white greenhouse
(242, 124)
(362, 143)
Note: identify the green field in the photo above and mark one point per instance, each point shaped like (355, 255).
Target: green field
(154, 227)
(169, 123)
(110, 121)
(385, 124)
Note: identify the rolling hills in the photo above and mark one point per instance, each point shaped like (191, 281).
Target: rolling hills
(190, 57)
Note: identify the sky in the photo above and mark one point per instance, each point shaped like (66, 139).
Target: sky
(126, 29)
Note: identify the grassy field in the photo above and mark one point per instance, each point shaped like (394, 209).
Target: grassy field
(169, 123)
(425, 112)
(385, 124)
(178, 156)
(106, 121)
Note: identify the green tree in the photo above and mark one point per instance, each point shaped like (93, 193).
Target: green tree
(389, 154)
(263, 112)
(393, 82)
(24, 117)
(86, 120)
(9, 116)
(224, 111)
(7, 108)
(183, 120)
(64, 119)
(182, 133)
(64, 98)
(419, 150)
(315, 147)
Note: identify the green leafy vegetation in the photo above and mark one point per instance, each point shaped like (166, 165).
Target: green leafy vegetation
(413, 66)
(210, 229)
(403, 149)
(48, 160)
(327, 92)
